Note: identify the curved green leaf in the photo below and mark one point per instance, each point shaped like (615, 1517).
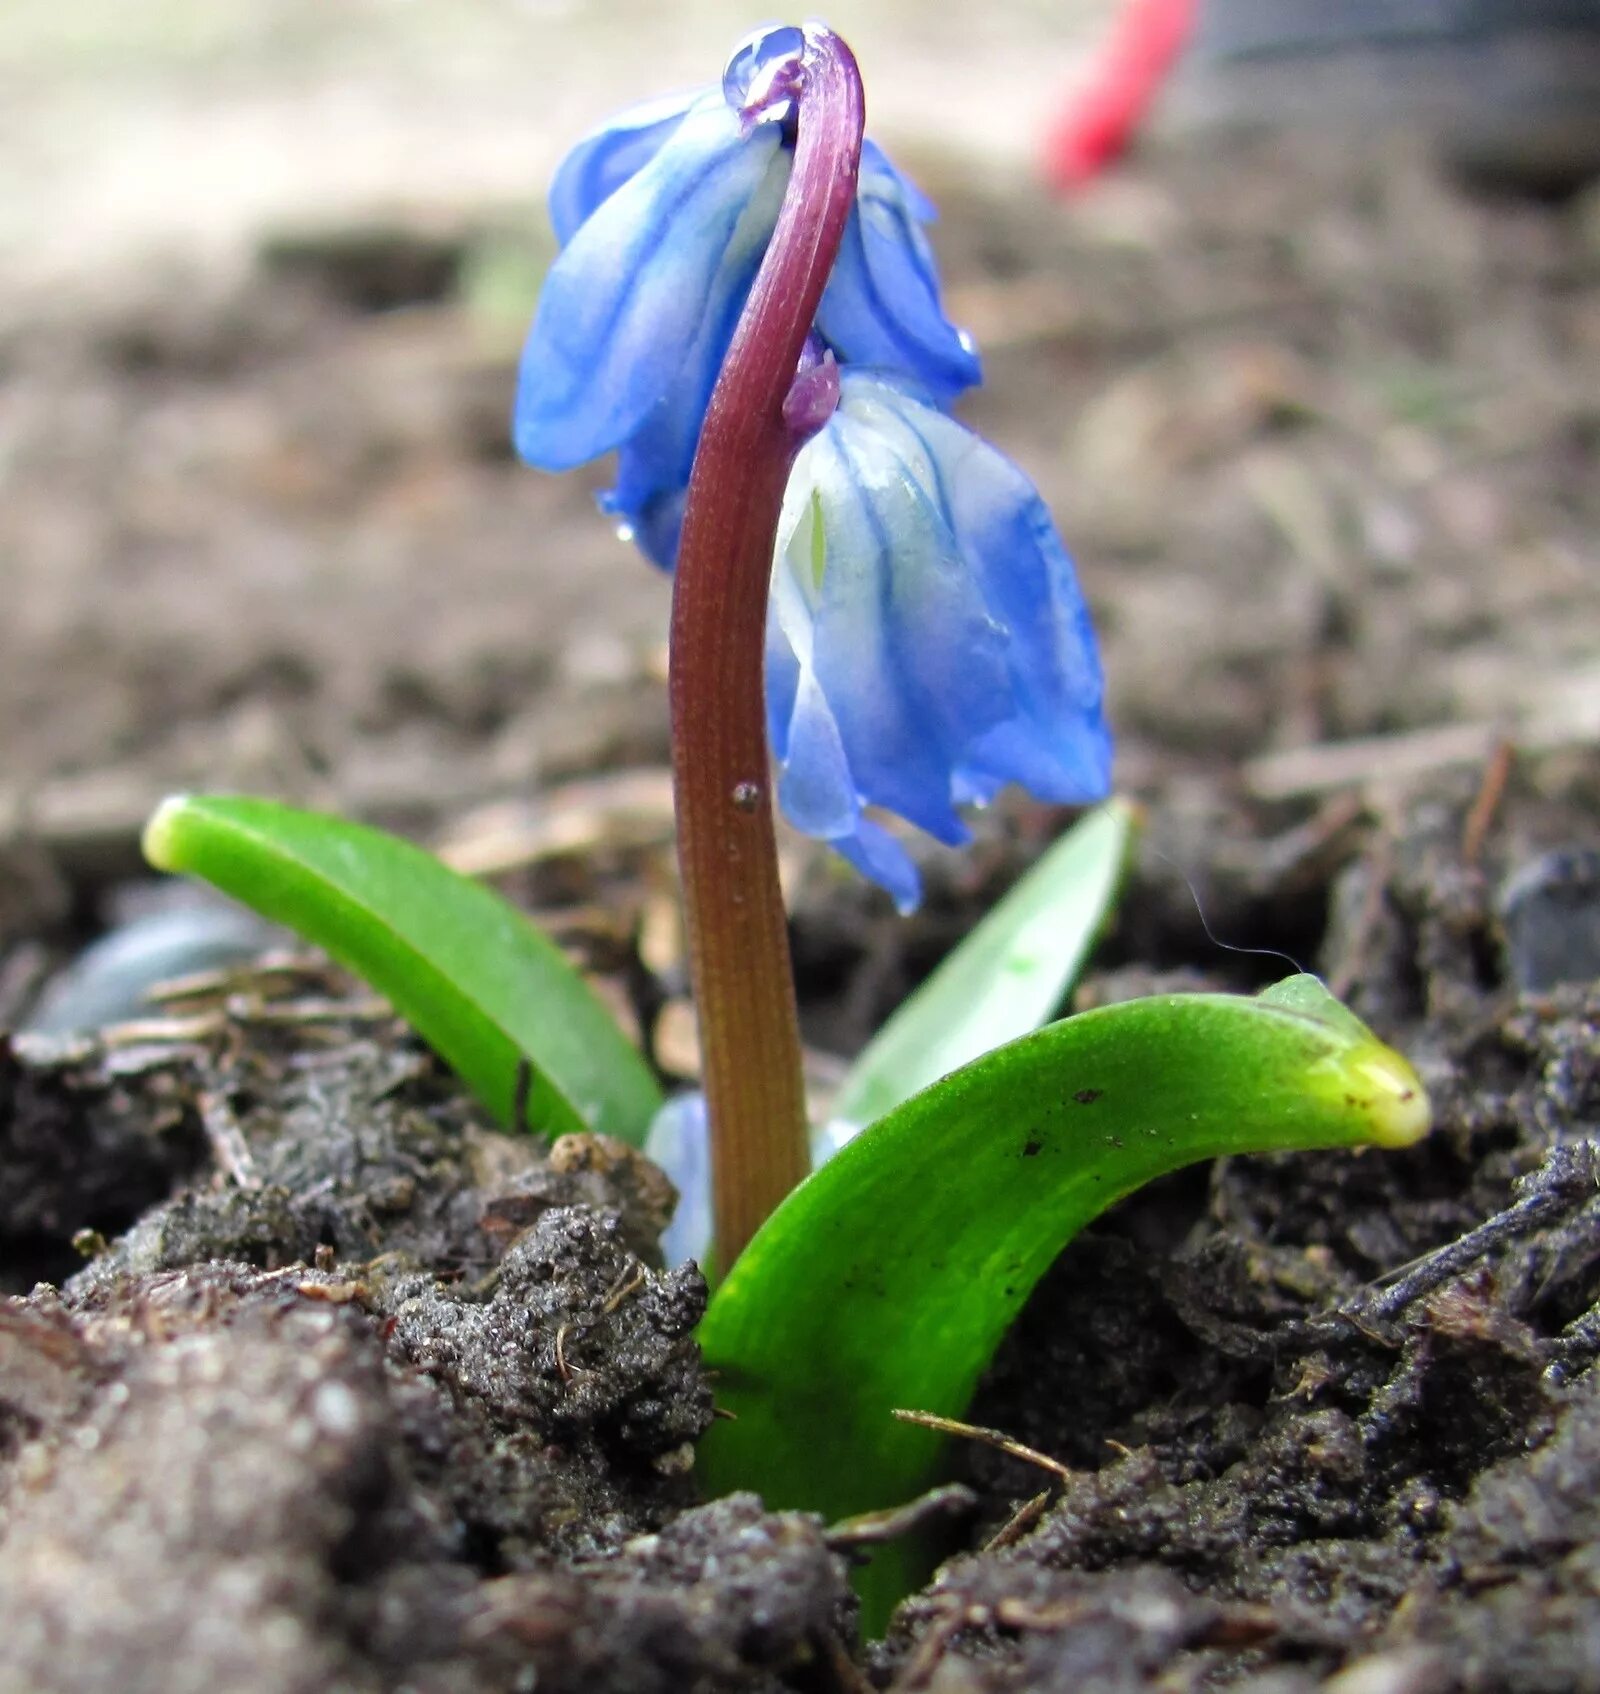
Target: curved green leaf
(495, 998)
(888, 1278)
(1007, 977)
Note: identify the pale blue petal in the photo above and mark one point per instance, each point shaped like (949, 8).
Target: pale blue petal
(679, 1141)
(782, 679)
(653, 464)
(1054, 740)
(926, 639)
(628, 295)
(893, 761)
(1066, 762)
(815, 787)
(881, 859)
(906, 652)
(882, 304)
(599, 165)
(876, 163)
(1057, 745)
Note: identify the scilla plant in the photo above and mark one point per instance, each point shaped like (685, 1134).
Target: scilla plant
(872, 614)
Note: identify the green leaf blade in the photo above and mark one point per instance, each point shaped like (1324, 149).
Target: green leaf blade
(888, 1278)
(1007, 977)
(493, 996)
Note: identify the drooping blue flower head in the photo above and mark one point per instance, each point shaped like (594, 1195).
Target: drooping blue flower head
(663, 216)
(927, 642)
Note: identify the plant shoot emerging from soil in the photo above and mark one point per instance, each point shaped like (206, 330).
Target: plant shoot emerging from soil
(873, 604)
(867, 594)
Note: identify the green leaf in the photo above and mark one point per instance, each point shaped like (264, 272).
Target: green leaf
(888, 1278)
(1007, 977)
(495, 998)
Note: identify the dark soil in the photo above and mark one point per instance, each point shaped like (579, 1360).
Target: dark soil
(325, 1385)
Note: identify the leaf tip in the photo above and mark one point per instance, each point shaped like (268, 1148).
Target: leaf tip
(1369, 1080)
(158, 843)
(1127, 811)
(1390, 1094)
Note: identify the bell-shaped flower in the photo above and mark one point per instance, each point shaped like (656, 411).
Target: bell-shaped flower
(927, 642)
(663, 216)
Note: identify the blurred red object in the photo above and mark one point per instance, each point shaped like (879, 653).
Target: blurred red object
(1099, 122)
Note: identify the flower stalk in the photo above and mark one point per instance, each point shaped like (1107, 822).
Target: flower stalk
(727, 852)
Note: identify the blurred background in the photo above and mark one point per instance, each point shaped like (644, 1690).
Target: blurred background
(1319, 419)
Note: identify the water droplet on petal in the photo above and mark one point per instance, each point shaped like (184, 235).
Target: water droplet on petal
(759, 82)
(626, 532)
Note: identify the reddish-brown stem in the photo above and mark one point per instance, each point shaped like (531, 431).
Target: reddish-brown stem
(727, 855)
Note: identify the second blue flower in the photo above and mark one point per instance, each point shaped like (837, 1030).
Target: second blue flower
(927, 642)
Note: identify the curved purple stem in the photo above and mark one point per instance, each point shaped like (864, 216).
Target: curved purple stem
(727, 854)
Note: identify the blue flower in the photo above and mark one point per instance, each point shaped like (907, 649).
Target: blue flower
(927, 642)
(663, 216)
(679, 1141)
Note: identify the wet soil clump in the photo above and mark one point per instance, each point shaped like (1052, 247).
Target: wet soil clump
(390, 1401)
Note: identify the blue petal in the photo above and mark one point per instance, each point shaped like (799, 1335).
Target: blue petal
(1054, 740)
(1057, 745)
(906, 654)
(649, 509)
(882, 306)
(927, 642)
(898, 661)
(782, 686)
(599, 165)
(881, 859)
(679, 1141)
(876, 163)
(653, 464)
(628, 295)
(814, 787)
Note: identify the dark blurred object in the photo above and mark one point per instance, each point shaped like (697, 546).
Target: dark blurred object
(373, 269)
(1550, 910)
(1508, 91)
